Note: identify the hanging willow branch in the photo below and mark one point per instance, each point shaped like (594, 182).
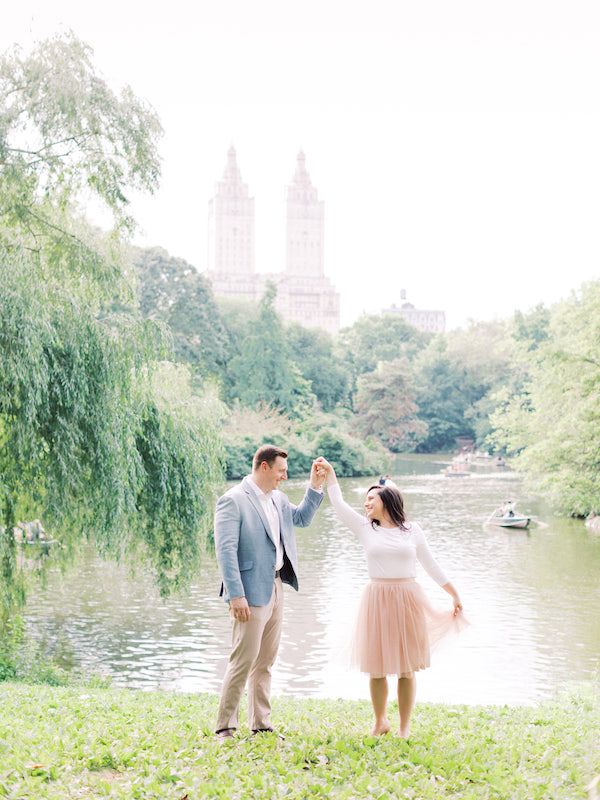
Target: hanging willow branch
(91, 440)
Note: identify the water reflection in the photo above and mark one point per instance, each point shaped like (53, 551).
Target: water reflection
(533, 599)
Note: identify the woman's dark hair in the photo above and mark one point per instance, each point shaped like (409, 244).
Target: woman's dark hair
(392, 503)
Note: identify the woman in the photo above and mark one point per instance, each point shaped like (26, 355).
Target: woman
(396, 625)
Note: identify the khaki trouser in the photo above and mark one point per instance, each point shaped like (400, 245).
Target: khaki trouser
(254, 649)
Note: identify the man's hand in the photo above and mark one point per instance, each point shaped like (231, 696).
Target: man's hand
(240, 609)
(319, 472)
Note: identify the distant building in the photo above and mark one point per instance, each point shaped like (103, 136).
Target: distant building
(304, 293)
(432, 321)
(305, 225)
(231, 224)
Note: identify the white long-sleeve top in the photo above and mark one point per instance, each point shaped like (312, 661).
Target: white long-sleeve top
(391, 552)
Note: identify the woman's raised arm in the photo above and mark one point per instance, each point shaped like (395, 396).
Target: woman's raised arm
(355, 521)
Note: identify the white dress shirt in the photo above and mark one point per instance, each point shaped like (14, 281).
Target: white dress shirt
(268, 506)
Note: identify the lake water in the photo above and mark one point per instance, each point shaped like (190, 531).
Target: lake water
(533, 598)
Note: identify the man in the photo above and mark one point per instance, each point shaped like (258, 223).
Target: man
(256, 551)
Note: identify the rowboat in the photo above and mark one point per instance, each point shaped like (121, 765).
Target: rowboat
(511, 522)
(508, 519)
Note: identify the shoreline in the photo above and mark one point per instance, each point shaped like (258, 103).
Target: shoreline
(576, 688)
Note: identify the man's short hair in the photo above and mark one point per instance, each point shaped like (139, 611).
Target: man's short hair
(268, 453)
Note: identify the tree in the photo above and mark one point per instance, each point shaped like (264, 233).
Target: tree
(373, 339)
(485, 349)
(445, 391)
(350, 456)
(90, 442)
(493, 358)
(312, 351)
(386, 409)
(91, 439)
(264, 372)
(66, 137)
(531, 329)
(484, 360)
(182, 462)
(554, 422)
(173, 291)
(64, 133)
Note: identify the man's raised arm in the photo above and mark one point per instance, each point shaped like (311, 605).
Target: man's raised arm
(304, 513)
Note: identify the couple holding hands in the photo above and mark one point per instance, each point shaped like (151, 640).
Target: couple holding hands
(256, 551)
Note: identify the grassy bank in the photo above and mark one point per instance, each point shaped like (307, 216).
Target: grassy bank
(58, 742)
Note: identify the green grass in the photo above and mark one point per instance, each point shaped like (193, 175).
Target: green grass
(69, 742)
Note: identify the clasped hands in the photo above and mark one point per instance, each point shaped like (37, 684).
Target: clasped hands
(320, 471)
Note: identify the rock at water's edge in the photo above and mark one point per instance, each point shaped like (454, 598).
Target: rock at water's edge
(592, 523)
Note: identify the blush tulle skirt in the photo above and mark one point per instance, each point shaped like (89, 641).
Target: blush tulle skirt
(397, 627)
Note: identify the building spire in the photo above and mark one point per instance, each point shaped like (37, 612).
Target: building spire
(231, 173)
(301, 177)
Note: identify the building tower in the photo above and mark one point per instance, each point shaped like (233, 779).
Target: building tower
(231, 224)
(305, 225)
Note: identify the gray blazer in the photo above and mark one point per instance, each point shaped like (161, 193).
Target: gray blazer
(245, 549)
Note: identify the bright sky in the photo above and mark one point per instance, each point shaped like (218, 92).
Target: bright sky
(456, 144)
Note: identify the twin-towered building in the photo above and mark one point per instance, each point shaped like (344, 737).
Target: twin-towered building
(304, 293)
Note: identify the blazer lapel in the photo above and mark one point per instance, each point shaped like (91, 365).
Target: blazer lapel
(258, 506)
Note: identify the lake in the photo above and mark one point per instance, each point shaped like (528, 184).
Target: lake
(532, 597)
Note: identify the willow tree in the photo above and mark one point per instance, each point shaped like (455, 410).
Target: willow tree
(91, 440)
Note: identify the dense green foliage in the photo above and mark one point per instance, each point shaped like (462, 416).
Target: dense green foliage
(373, 339)
(327, 434)
(554, 421)
(445, 391)
(313, 352)
(91, 441)
(174, 292)
(386, 408)
(60, 743)
(262, 370)
(282, 383)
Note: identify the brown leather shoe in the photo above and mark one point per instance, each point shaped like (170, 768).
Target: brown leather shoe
(224, 734)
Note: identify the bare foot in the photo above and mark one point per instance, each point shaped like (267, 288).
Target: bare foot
(381, 728)
(404, 733)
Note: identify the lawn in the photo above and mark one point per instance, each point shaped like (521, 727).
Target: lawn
(70, 742)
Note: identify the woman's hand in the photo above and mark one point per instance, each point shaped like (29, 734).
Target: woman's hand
(317, 475)
(324, 469)
(448, 587)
